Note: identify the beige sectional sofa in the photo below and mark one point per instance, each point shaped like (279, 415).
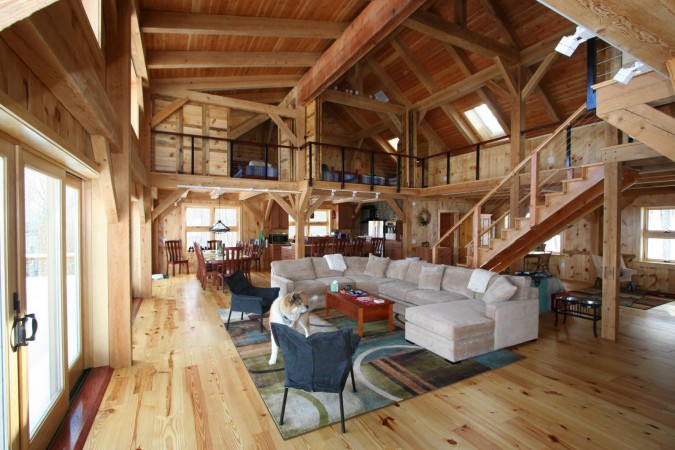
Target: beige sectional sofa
(433, 301)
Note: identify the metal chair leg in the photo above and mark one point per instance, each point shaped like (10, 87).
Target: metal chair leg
(351, 369)
(283, 407)
(227, 326)
(342, 414)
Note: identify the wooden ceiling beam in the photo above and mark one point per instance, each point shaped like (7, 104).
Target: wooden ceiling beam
(445, 31)
(356, 101)
(229, 102)
(534, 80)
(167, 111)
(166, 22)
(377, 128)
(415, 65)
(644, 29)
(64, 62)
(209, 59)
(391, 87)
(168, 202)
(375, 23)
(459, 89)
(247, 126)
(14, 11)
(228, 83)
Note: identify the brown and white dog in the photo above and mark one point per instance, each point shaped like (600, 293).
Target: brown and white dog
(292, 310)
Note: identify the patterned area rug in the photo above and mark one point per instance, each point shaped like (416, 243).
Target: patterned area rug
(638, 299)
(387, 369)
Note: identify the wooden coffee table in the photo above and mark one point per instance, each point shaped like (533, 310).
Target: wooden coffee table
(361, 311)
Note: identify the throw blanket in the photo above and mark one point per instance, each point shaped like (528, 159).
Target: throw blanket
(335, 262)
(480, 279)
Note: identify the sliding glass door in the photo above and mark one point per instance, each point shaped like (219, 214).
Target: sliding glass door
(43, 368)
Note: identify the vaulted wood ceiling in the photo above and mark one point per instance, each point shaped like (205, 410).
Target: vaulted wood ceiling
(446, 58)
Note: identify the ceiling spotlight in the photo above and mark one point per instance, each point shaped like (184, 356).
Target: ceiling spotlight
(568, 44)
(629, 70)
(353, 194)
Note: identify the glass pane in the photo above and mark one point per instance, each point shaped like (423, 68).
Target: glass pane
(196, 217)
(230, 239)
(320, 215)
(318, 230)
(198, 236)
(661, 220)
(73, 314)
(661, 249)
(44, 289)
(4, 405)
(229, 216)
(553, 244)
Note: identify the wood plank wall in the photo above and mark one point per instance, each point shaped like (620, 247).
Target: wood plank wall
(20, 84)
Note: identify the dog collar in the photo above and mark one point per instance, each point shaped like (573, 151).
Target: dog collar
(286, 320)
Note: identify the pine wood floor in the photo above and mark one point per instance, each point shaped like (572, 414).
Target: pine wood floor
(188, 389)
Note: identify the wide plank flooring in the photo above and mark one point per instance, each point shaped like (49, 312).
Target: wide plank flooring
(188, 389)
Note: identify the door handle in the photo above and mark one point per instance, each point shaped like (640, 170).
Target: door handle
(18, 335)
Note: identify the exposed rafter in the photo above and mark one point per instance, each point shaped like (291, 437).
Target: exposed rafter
(211, 24)
(192, 60)
(228, 83)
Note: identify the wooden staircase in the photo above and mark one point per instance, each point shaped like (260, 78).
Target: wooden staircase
(579, 192)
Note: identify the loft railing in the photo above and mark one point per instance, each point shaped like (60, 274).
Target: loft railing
(520, 192)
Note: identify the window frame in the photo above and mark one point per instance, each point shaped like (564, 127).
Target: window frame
(646, 234)
(312, 223)
(212, 216)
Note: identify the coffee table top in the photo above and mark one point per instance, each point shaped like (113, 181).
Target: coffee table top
(372, 299)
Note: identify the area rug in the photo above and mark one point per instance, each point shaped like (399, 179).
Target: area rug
(387, 369)
(638, 299)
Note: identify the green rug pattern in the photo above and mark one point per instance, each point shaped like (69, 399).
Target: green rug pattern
(387, 369)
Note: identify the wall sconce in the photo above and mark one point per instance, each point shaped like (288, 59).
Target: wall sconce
(568, 44)
(629, 70)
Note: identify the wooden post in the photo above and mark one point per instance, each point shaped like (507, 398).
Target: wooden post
(205, 138)
(534, 188)
(476, 236)
(118, 88)
(611, 246)
(144, 144)
(517, 141)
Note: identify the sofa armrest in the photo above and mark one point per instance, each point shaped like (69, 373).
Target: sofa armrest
(284, 284)
(516, 321)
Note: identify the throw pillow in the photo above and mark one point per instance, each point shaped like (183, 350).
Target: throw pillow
(376, 266)
(500, 290)
(430, 277)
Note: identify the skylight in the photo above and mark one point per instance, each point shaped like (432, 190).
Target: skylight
(394, 143)
(381, 96)
(484, 122)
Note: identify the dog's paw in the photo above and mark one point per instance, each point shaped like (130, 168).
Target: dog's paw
(272, 361)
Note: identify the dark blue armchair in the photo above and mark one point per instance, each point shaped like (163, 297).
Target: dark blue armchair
(247, 298)
(319, 363)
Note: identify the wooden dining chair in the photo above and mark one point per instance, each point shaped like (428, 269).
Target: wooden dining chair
(204, 270)
(357, 246)
(377, 246)
(339, 245)
(319, 245)
(231, 262)
(174, 255)
(212, 245)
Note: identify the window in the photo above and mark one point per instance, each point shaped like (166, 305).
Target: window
(484, 122)
(394, 143)
(658, 235)
(93, 10)
(554, 244)
(199, 219)
(319, 224)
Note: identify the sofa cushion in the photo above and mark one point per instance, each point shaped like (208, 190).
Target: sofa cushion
(342, 281)
(463, 319)
(499, 290)
(369, 284)
(480, 279)
(397, 269)
(295, 269)
(430, 296)
(456, 279)
(397, 289)
(414, 270)
(321, 269)
(310, 287)
(356, 265)
(430, 277)
(522, 284)
(376, 266)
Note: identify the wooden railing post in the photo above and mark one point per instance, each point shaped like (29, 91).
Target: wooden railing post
(534, 188)
(476, 236)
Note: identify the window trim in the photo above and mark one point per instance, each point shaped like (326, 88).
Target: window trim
(328, 224)
(647, 234)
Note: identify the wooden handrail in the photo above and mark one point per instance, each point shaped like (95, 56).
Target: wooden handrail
(507, 178)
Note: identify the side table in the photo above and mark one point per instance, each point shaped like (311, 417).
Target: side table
(583, 307)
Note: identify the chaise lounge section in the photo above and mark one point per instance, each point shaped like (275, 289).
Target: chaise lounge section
(434, 302)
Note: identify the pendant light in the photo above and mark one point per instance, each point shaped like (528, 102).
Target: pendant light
(219, 227)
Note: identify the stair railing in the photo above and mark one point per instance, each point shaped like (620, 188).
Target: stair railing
(470, 222)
